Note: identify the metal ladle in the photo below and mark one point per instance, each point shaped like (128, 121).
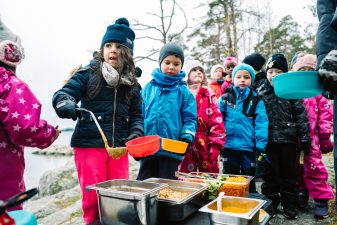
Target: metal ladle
(116, 152)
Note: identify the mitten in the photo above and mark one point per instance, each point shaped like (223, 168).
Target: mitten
(66, 109)
(328, 71)
(188, 138)
(326, 145)
(305, 147)
(135, 134)
(262, 156)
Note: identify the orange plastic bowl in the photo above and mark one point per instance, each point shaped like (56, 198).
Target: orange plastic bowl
(175, 146)
(143, 146)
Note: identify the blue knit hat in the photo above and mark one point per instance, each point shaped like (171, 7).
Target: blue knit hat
(171, 48)
(246, 67)
(120, 32)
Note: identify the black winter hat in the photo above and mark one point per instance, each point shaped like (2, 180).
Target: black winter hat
(256, 60)
(277, 61)
(171, 48)
(120, 32)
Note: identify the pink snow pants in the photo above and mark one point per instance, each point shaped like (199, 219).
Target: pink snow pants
(94, 165)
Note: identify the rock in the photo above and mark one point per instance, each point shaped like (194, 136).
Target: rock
(55, 150)
(54, 181)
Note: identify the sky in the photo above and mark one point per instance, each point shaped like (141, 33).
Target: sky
(59, 35)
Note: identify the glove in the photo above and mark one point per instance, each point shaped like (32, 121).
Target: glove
(262, 156)
(328, 71)
(135, 134)
(326, 145)
(66, 109)
(305, 147)
(188, 138)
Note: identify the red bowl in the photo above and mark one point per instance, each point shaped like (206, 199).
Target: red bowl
(143, 146)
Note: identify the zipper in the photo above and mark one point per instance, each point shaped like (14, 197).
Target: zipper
(113, 120)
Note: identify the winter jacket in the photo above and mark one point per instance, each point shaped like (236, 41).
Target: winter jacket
(118, 110)
(326, 39)
(246, 121)
(20, 126)
(216, 88)
(169, 108)
(288, 122)
(209, 138)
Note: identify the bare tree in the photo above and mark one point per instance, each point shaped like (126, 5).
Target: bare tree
(163, 27)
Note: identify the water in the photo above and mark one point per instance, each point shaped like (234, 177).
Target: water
(37, 165)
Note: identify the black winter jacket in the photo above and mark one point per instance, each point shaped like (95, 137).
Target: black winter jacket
(288, 121)
(326, 39)
(117, 110)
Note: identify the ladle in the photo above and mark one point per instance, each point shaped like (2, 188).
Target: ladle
(116, 152)
(219, 201)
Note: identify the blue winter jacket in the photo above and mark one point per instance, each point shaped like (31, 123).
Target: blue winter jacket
(245, 119)
(169, 108)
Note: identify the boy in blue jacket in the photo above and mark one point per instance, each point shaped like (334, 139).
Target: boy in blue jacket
(169, 110)
(246, 124)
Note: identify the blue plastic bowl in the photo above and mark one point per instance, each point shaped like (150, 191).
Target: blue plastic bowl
(297, 85)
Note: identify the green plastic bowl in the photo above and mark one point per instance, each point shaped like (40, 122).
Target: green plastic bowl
(297, 85)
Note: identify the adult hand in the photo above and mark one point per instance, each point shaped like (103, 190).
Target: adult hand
(133, 135)
(66, 109)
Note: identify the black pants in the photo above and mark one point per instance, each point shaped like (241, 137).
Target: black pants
(158, 166)
(281, 174)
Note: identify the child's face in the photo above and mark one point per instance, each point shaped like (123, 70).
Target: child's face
(111, 51)
(272, 73)
(242, 79)
(229, 68)
(196, 76)
(218, 74)
(171, 65)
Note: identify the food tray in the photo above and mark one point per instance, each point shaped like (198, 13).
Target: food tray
(174, 211)
(235, 211)
(218, 183)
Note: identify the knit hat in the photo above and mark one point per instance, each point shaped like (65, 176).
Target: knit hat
(171, 48)
(305, 60)
(215, 67)
(229, 60)
(243, 66)
(277, 61)
(11, 51)
(120, 32)
(256, 60)
(190, 65)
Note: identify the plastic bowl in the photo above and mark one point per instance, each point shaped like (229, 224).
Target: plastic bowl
(143, 146)
(175, 146)
(297, 85)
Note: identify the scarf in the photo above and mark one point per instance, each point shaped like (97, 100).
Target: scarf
(166, 80)
(112, 77)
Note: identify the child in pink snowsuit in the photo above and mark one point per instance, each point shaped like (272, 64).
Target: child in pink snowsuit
(210, 135)
(315, 176)
(20, 123)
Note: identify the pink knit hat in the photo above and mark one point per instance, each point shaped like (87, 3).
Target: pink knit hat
(305, 60)
(230, 60)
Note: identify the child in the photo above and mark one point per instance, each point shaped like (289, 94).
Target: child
(20, 118)
(169, 111)
(210, 135)
(315, 176)
(288, 123)
(108, 87)
(246, 124)
(229, 63)
(217, 79)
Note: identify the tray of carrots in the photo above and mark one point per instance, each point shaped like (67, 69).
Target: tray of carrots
(230, 184)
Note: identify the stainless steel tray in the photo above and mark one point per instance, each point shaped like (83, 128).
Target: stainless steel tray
(174, 211)
(249, 215)
(127, 189)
